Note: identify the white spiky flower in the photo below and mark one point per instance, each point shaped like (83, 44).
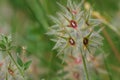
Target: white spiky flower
(73, 30)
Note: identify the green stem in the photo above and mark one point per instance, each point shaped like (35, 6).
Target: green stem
(85, 67)
(107, 68)
(21, 72)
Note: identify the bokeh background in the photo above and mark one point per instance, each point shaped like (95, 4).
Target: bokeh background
(28, 21)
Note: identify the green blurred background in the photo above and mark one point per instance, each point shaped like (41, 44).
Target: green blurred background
(28, 21)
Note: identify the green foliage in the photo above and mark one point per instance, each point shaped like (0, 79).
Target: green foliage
(23, 65)
(6, 44)
(27, 64)
(20, 62)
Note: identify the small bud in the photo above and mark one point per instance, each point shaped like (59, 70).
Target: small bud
(76, 75)
(78, 60)
(1, 64)
(85, 41)
(74, 12)
(11, 72)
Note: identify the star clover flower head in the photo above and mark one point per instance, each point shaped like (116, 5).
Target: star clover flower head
(73, 30)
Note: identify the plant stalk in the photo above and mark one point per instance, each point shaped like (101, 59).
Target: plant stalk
(21, 72)
(85, 67)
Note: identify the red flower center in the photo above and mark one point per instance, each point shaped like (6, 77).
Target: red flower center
(73, 24)
(71, 41)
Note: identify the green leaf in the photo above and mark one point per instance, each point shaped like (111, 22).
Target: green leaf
(20, 62)
(2, 46)
(12, 47)
(6, 38)
(27, 64)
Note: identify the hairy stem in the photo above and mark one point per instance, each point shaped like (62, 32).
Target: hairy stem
(21, 72)
(85, 67)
